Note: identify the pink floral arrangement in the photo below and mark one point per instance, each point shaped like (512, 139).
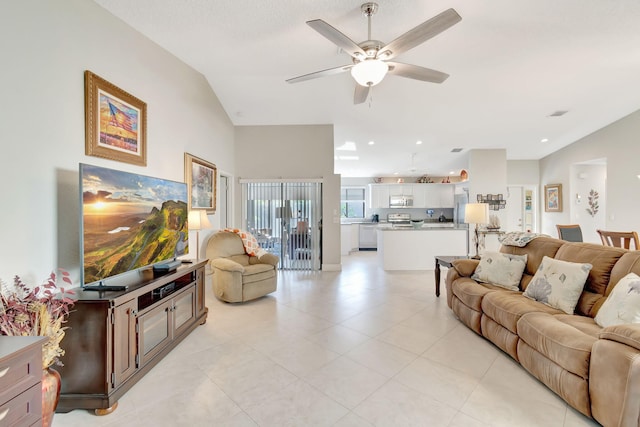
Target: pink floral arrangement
(40, 311)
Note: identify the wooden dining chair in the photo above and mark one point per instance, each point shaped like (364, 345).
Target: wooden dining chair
(619, 239)
(570, 232)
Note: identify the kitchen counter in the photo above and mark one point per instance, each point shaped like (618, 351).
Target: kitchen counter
(416, 249)
(425, 227)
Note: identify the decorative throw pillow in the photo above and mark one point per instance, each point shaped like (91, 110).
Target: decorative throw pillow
(623, 303)
(504, 270)
(558, 283)
(250, 243)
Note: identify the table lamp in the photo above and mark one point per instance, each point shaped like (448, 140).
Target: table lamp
(476, 213)
(198, 220)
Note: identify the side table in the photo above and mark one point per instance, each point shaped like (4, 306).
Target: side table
(445, 261)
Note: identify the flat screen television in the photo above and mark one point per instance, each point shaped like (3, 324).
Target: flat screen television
(129, 221)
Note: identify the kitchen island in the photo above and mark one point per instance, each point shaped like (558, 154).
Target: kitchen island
(416, 249)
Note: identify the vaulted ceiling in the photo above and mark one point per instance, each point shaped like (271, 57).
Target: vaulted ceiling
(512, 65)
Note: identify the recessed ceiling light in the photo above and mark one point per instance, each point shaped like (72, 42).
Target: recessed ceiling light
(452, 173)
(418, 142)
(544, 140)
(395, 173)
(371, 142)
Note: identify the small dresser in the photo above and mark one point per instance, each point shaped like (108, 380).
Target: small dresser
(20, 381)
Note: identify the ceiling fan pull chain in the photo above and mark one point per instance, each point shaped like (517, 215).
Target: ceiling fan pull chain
(370, 96)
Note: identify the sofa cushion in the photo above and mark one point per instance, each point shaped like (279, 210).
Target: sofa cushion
(558, 283)
(622, 304)
(470, 292)
(257, 272)
(506, 308)
(504, 270)
(560, 342)
(602, 258)
(535, 250)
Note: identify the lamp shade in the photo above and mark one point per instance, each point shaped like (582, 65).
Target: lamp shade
(476, 213)
(369, 72)
(198, 220)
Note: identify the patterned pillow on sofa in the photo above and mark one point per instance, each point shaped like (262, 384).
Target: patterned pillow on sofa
(623, 303)
(558, 283)
(504, 270)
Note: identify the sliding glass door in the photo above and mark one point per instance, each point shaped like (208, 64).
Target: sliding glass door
(286, 218)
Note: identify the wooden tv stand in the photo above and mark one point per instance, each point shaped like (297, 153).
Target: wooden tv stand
(115, 338)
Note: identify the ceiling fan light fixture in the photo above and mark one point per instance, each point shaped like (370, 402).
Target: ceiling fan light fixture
(369, 72)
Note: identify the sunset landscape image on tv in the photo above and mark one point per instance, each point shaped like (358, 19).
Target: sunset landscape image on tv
(130, 221)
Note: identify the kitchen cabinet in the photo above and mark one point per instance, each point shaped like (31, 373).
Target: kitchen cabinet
(115, 338)
(378, 196)
(438, 196)
(432, 196)
(349, 238)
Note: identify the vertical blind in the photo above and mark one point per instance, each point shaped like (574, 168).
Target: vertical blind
(286, 218)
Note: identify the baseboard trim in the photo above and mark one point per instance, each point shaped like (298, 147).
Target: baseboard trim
(331, 267)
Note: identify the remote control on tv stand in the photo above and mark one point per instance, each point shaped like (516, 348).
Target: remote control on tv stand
(106, 288)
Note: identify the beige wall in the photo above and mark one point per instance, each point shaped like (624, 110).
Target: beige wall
(46, 47)
(619, 144)
(293, 152)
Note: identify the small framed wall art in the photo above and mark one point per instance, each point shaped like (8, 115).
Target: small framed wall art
(201, 178)
(553, 198)
(115, 122)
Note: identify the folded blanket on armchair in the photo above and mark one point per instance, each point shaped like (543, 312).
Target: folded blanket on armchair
(250, 243)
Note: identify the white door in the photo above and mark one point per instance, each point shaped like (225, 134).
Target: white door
(522, 205)
(515, 209)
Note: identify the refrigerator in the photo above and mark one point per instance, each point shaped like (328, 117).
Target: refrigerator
(460, 201)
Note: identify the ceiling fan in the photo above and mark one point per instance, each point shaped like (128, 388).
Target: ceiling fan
(371, 58)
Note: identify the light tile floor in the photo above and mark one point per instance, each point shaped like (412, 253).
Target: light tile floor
(359, 347)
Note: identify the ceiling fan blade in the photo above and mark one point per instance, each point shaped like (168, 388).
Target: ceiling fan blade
(337, 38)
(416, 72)
(420, 34)
(361, 94)
(323, 73)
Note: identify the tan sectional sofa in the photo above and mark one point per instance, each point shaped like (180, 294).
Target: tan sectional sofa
(595, 370)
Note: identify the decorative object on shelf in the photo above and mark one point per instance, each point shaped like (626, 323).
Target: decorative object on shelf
(495, 201)
(446, 180)
(553, 198)
(476, 213)
(40, 311)
(198, 220)
(115, 122)
(377, 180)
(424, 180)
(201, 178)
(464, 175)
(400, 180)
(592, 200)
(50, 394)
(494, 223)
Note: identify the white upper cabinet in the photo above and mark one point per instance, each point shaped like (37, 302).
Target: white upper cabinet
(430, 196)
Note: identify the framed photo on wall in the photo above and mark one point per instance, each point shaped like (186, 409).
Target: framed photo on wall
(553, 198)
(115, 122)
(201, 178)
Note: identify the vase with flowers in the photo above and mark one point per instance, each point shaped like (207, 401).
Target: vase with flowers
(39, 311)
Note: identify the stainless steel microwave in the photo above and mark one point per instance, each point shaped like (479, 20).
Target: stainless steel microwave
(401, 201)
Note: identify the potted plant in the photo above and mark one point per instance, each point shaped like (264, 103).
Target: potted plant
(40, 311)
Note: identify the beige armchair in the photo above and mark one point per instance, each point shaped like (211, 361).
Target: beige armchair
(237, 277)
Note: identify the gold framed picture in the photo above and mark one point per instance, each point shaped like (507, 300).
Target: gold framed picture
(115, 122)
(201, 178)
(553, 198)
